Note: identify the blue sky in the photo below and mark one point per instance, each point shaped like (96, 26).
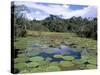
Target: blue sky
(40, 11)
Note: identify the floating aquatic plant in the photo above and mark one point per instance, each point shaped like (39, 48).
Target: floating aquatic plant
(68, 57)
(39, 69)
(21, 55)
(66, 64)
(84, 58)
(33, 65)
(91, 66)
(20, 60)
(37, 59)
(34, 51)
(20, 66)
(48, 59)
(24, 71)
(58, 56)
(93, 61)
(53, 68)
(54, 64)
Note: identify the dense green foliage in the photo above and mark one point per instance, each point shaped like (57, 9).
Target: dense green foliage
(83, 27)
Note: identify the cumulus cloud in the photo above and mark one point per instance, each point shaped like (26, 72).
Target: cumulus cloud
(58, 9)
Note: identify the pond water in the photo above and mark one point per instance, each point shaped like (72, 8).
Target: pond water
(49, 52)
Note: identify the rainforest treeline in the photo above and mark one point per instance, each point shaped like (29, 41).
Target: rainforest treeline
(83, 27)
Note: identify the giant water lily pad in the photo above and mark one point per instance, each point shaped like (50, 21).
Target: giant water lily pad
(39, 69)
(91, 66)
(20, 60)
(54, 64)
(24, 71)
(21, 55)
(68, 57)
(58, 56)
(37, 59)
(33, 65)
(92, 61)
(84, 59)
(66, 64)
(53, 68)
(33, 52)
(48, 59)
(20, 66)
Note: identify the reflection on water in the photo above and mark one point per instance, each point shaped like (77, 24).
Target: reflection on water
(38, 50)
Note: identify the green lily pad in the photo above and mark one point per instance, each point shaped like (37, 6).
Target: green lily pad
(68, 57)
(53, 68)
(33, 64)
(37, 59)
(20, 60)
(84, 59)
(66, 64)
(24, 71)
(58, 56)
(91, 66)
(54, 64)
(92, 61)
(20, 66)
(48, 58)
(21, 55)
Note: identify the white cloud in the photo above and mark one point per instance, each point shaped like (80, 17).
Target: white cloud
(57, 9)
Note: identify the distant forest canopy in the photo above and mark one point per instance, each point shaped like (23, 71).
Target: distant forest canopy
(83, 27)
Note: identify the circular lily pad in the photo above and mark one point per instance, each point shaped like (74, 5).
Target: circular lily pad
(52, 68)
(85, 57)
(91, 66)
(58, 56)
(33, 65)
(20, 60)
(20, 66)
(92, 61)
(21, 55)
(48, 59)
(66, 64)
(54, 64)
(37, 59)
(68, 57)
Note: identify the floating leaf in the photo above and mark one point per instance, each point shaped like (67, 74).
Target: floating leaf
(33, 64)
(21, 55)
(58, 56)
(91, 66)
(68, 57)
(66, 64)
(54, 64)
(20, 60)
(37, 59)
(20, 66)
(53, 68)
(92, 61)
